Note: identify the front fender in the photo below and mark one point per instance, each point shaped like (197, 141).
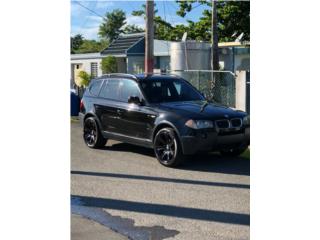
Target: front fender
(163, 123)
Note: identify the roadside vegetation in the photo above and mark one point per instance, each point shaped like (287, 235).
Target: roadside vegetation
(233, 20)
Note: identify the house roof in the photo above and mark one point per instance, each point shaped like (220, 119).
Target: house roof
(80, 56)
(122, 44)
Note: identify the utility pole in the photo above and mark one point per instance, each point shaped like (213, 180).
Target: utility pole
(214, 36)
(215, 89)
(148, 62)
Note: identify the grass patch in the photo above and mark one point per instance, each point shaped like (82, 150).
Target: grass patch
(74, 119)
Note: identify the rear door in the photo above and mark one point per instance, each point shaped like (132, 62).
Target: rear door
(107, 106)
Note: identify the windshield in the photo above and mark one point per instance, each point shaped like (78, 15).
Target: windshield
(169, 90)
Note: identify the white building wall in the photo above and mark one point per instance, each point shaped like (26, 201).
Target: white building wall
(85, 64)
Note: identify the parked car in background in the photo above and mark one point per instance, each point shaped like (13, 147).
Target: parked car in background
(162, 112)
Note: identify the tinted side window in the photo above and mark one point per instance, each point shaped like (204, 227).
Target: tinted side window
(128, 88)
(110, 89)
(95, 87)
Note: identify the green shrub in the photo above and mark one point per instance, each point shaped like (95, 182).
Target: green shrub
(83, 79)
(109, 65)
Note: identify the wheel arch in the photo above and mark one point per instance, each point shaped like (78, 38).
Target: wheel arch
(91, 114)
(164, 124)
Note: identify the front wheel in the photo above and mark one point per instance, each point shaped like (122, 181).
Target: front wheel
(92, 135)
(233, 152)
(167, 148)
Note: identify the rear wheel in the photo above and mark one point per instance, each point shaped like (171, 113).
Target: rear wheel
(233, 152)
(92, 135)
(167, 148)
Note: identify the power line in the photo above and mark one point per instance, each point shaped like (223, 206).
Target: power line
(89, 9)
(87, 17)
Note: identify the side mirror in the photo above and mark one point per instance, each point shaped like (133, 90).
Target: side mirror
(135, 100)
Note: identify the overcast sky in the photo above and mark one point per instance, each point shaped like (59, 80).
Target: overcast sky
(87, 23)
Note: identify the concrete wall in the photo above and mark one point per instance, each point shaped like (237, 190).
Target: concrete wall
(164, 62)
(242, 91)
(190, 55)
(85, 65)
(242, 62)
(235, 60)
(226, 58)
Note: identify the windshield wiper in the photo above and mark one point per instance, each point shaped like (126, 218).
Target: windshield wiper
(206, 103)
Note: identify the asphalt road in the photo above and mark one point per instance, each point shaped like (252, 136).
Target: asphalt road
(123, 187)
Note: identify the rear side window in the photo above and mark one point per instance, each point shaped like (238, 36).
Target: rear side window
(110, 89)
(128, 88)
(95, 87)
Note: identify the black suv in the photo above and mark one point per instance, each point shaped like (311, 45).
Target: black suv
(162, 112)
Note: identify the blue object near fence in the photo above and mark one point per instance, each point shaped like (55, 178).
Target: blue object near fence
(75, 104)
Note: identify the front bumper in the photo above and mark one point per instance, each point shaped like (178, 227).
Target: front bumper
(206, 141)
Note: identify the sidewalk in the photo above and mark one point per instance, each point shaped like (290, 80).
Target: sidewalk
(84, 229)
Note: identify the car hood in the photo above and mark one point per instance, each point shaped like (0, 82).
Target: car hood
(193, 109)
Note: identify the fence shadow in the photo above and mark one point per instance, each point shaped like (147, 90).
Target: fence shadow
(165, 210)
(161, 179)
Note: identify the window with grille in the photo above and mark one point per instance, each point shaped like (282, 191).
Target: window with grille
(94, 69)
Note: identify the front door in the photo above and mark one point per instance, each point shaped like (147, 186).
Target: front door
(136, 121)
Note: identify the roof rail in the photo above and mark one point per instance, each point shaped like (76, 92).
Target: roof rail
(120, 75)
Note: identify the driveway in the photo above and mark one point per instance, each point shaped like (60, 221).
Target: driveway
(123, 187)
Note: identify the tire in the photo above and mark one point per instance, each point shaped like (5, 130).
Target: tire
(167, 148)
(233, 152)
(92, 135)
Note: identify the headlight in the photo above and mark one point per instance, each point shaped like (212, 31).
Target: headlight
(199, 124)
(246, 120)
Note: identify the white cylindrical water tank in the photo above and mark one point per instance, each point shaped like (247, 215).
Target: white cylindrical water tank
(190, 55)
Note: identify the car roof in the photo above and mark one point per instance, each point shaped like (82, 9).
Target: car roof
(156, 77)
(140, 77)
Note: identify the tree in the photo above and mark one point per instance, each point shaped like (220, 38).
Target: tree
(233, 18)
(132, 29)
(82, 79)
(76, 42)
(109, 65)
(90, 46)
(112, 24)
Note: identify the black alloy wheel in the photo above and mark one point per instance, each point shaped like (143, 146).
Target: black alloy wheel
(91, 134)
(167, 148)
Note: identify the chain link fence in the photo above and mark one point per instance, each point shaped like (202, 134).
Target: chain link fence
(216, 85)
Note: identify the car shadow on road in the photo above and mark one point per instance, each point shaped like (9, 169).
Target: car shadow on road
(204, 162)
(214, 162)
(126, 147)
